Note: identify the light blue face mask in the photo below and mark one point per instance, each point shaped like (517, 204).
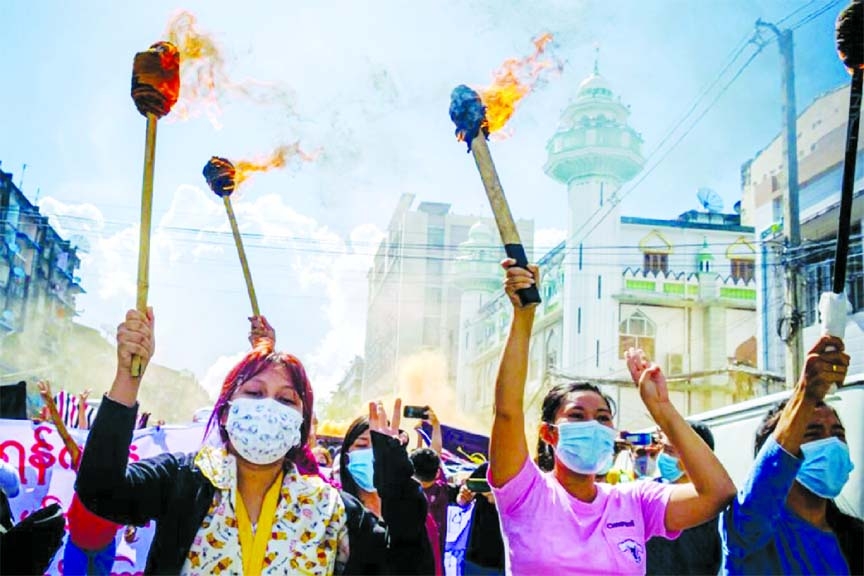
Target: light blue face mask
(826, 467)
(668, 466)
(361, 466)
(585, 447)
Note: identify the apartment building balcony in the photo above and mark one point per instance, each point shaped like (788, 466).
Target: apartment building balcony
(667, 287)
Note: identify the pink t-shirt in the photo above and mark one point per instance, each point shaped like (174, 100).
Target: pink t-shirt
(548, 531)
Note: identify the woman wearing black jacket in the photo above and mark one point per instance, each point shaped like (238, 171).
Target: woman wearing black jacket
(375, 469)
(239, 504)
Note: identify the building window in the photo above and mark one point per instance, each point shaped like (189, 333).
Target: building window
(599, 286)
(435, 236)
(776, 207)
(819, 274)
(433, 296)
(742, 269)
(431, 331)
(655, 263)
(674, 364)
(636, 331)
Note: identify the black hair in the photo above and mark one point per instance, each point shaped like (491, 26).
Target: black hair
(355, 430)
(426, 464)
(551, 403)
(703, 431)
(848, 529)
(769, 423)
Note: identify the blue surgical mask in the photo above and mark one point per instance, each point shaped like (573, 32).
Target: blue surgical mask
(668, 466)
(585, 447)
(361, 466)
(826, 467)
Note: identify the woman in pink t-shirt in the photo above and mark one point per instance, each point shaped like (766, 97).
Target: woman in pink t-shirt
(565, 521)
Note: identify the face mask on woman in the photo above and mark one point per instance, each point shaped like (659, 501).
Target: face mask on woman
(262, 431)
(668, 466)
(361, 466)
(826, 467)
(585, 447)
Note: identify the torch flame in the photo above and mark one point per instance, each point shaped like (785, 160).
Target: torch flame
(513, 80)
(201, 68)
(204, 80)
(277, 159)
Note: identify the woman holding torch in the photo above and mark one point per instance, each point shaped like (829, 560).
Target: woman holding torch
(239, 504)
(566, 520)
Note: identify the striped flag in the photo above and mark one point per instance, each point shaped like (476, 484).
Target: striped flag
(67, 406)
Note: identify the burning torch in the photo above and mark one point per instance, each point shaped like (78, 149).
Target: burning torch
(850, 47)
(221, 177)
(155, 88)
(469, 114)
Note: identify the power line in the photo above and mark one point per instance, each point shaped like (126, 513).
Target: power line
(644, 174)
(813, 15)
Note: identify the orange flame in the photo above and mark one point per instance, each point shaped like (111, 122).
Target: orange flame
(277, 159)
(516, 78)
(202, 72)
(203, 79)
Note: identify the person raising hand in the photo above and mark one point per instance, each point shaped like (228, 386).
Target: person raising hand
(566, 519)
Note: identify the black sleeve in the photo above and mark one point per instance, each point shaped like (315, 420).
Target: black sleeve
(106, 486)
(367, 540)
(403, 506)
(452, 493)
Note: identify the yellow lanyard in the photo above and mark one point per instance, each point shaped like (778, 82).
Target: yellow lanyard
(254, 547)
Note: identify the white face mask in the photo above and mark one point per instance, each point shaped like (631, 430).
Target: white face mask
(262, 431)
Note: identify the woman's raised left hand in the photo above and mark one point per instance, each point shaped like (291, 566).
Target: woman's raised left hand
(378, 421)
(648, 376)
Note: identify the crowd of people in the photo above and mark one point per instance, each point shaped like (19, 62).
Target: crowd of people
(262, 496)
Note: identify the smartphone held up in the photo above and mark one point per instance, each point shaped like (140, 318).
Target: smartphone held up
(417, 412)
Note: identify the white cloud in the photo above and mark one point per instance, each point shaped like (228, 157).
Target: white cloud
(215, 375)
(193, 263)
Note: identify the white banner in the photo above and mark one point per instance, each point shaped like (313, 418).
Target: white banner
(45, 471)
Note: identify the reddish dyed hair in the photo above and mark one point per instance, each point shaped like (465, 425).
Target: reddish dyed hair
(255, 362)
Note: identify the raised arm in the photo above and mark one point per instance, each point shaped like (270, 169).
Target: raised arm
(508, 447)
(826, 364)
(747, 523)
(436, 443)
(82, 409)
(710, 488)
(124, 494)
(74, 452)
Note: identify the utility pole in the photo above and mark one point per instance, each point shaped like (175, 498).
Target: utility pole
(790, 324)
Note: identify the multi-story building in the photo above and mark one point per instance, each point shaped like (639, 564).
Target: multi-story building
(821, 150)
(38, 282)
(413, 299)
(345, 403)
(682, 289)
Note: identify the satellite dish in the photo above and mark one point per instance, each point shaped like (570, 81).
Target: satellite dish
(737, 207)
(80, 243)
(710, 200)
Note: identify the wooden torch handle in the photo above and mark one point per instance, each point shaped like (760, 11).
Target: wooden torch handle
(238, 240)
(138, 366)
(503, 217)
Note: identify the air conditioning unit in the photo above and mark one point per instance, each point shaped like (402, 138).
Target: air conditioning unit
(674, 364)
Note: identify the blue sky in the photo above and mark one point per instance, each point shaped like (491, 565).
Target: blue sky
(369, 85)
